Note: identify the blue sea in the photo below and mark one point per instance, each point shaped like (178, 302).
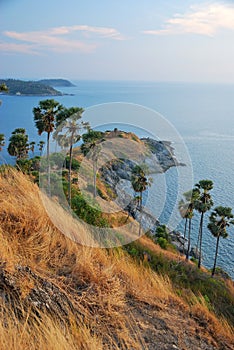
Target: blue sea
(201, 114)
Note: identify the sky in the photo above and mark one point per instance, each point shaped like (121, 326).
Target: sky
(150, 40)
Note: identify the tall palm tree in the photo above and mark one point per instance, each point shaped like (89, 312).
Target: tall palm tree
(94, 153)
(32, 147)
(68, 133)
(91, 148)
(2, 141)
(202, 205)
(61, 117)
(220, 219)
(186, 207)
(44, 117)
(41, 146)
(139, 183)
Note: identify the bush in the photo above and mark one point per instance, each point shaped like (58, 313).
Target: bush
(162, 242)
(75, 163)
(91, 214)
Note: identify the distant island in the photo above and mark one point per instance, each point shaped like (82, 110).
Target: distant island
(34, 88)
(56, 82)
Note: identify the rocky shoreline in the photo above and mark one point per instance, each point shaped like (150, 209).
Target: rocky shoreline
(117, 175)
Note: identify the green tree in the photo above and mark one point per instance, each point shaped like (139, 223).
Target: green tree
(90, 137)
(32, 146)
(91, 148)
(220, 219)
(18, 144)
(44, 117)
(66, 113)
(41, 146)
(70, 131)
(186, 207)
(95, 149)
(202, 205)
(139, 183)
(162, 236)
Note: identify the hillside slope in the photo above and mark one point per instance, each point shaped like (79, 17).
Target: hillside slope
(55, 294)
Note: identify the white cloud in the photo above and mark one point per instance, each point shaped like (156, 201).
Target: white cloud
(57, 39)
(20, 48)
(201, 19)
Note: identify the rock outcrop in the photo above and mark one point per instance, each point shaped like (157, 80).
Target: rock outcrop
(117, 175)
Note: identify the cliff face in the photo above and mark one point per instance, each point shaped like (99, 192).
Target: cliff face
(117, 174)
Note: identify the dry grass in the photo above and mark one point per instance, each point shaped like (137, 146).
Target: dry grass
(97, 283)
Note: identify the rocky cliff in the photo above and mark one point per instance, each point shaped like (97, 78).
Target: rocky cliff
(117, 175)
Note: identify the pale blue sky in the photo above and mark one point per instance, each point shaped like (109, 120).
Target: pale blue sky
(118, 40)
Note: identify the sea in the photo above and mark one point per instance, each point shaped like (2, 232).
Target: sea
(198, 118)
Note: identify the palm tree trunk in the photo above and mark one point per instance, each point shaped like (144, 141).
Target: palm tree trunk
(200, 243)
(216, 254)
(140, 215)
(185, 231)
(94, 179)
(69, 176)
(48, 162)
(189, 239)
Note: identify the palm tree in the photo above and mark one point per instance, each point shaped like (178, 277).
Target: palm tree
(2, 141)
(68, 133)
(139, 183)
(95, 150)
(32, 146)
(202, 205)
(186, 208)
(41, 146)
(91, 148)
(66, 113)
(44, 117)
(18, 144)
(220, 219)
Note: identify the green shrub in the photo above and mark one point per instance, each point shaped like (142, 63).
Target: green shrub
(90, 213)
(75, 163)
(162, 242)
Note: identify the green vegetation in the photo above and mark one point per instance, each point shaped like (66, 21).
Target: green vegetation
(202, 205)
(188, 279)
(20, 87)
(68, 133)
(162, 236)
(186, 208)
(56, 82)
(18, 144)
(220, 219)
(90, 213)
(140, 184)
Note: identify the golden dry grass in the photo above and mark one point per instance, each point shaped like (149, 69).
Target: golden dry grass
(98, 283)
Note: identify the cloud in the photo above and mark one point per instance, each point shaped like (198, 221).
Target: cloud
(20, 48)
(59, 39)
(201, 19)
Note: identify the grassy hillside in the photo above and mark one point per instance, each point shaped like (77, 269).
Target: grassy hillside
(55, 294)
